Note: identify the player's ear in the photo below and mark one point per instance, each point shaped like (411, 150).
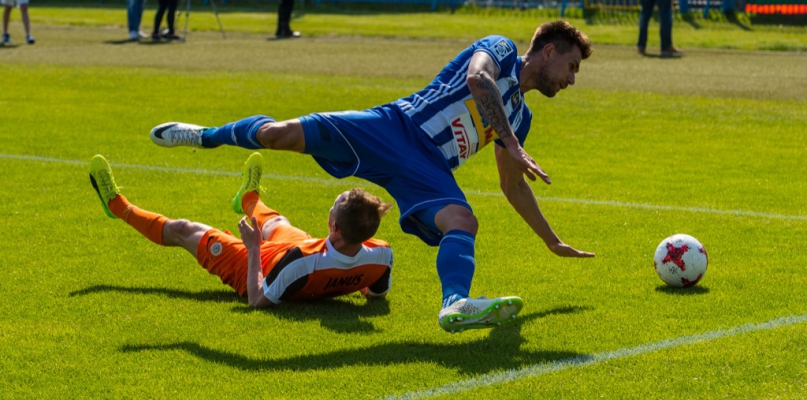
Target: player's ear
(547, 51)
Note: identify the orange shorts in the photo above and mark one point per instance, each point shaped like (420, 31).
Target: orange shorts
(225, 255)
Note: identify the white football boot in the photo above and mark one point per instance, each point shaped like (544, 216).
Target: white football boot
(173, 134)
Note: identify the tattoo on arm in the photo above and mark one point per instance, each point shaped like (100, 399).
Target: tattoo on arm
(492, 107)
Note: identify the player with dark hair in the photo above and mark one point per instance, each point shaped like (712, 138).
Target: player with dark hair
(411, 146)
(274, 261)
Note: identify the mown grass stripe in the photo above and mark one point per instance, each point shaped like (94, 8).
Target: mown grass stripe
(741, 213)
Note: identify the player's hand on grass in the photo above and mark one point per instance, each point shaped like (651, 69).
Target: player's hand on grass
(370, 295)
(564, 250)
(250, 234)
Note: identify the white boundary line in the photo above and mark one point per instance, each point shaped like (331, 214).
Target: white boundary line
(741, 213)
(330, 181)
(587, 360)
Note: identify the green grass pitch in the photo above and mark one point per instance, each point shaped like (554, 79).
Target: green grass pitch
(712, 145)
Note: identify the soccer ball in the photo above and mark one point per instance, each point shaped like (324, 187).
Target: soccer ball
(680, 260)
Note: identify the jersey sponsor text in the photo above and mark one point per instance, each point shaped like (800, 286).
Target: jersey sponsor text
(343, 281)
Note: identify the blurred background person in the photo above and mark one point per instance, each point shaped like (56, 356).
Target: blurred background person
(284, 11)
(26, 22)
(171, 7)
(665, 16)
(134, 13)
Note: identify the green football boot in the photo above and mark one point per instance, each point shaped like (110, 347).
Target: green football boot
(103, 182)
(250, 180)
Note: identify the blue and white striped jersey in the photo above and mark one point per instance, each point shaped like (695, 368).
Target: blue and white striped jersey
(448, 114)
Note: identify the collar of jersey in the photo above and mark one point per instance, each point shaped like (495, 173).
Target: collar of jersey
(341, 257)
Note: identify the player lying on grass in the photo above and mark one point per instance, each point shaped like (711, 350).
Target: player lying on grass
(411, 146)
(275, 261)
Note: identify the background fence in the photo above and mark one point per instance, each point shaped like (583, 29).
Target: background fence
(783, 7)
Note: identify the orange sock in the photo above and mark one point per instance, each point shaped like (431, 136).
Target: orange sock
(253, 206)
(149, 224)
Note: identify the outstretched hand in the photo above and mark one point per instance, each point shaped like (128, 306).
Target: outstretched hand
(564, 250)
(526, 164)
(249, 233)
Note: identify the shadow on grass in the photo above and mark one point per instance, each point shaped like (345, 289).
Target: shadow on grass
(692, 21)
(122, 41)
(158, 42)
(682, 291)
(334, 314)
(500, 350)
(733, 18)
(218, 296)
(143, 42)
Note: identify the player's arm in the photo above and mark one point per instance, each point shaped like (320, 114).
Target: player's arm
(481, 81)
(252, 240)
(520, 195)
(379, 288)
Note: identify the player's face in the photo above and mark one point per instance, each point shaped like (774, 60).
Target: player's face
(558, 72)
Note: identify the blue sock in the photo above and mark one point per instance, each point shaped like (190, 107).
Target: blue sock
(455, 265)
(241, 133)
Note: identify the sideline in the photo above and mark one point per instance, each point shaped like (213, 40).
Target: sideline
(353, 183)
(587, 360)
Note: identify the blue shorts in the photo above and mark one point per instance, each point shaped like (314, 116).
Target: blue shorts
(383, 146)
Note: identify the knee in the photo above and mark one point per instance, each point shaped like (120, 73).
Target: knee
(275, 221)
(457, 217)
(284, 135)
(272, 223)
(176, 231)
(469, 223)
(270, 135)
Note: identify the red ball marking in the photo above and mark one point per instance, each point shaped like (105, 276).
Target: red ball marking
(688, 283)
(674, 255)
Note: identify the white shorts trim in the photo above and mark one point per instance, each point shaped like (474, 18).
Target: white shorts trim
(13, 3)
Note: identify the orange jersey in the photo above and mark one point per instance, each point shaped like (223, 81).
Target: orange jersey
(312, 269)
(296, 267)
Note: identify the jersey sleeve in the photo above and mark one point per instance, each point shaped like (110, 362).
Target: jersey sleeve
(524, 126)
(505, 55)
(501, 49)
(382, 285)
(287, 277)
(524, 121)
